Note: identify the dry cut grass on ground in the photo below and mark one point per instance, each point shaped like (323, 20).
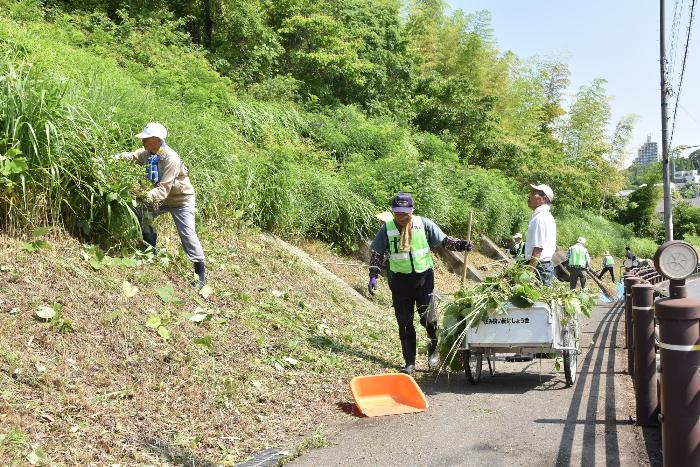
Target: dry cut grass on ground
(140, 380)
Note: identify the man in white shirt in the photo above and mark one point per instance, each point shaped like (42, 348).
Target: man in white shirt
(541, 238)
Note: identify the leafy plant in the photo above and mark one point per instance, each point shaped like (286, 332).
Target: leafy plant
(98, 259)
(158, 323)
(54, 317)
(205, 342)
(167, 294)
(37, 243)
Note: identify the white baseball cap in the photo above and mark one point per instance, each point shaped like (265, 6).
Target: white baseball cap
(581, 240)
(544, 189)
(518, 235)
(153, 129)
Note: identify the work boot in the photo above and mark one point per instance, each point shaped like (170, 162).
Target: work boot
(433, 355)
(150, 238)
(408, 349)
(409, 369)
(199, 269)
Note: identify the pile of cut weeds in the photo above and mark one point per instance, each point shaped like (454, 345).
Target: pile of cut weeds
(133, 366)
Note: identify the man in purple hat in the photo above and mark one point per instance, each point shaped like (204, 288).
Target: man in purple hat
(407, 239)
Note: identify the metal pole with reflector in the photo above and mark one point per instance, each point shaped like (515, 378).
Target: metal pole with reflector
(630, 280)
(679, 348)
(645, 390)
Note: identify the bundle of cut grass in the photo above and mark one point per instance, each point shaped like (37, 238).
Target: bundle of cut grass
(515, 286)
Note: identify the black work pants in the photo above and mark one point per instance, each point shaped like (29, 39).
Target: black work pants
(576, 273)
(410, 291)
(606, 269)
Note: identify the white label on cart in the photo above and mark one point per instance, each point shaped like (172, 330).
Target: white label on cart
(529, 326)
(521, 320)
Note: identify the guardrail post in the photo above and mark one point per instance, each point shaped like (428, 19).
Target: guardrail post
(630, 280)
(679, 344)
(645, 388)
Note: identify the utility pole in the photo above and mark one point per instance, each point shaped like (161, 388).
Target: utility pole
(668, 204)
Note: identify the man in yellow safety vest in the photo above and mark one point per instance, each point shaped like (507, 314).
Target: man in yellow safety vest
(608, 266)
(579, 262)
(407, 239)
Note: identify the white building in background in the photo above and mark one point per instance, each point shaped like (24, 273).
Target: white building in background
(686, 176)
(648, 153)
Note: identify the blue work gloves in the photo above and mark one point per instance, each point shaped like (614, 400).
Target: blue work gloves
(372, 285)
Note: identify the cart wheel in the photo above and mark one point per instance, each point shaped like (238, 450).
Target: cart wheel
(570, 358)
(472, 361)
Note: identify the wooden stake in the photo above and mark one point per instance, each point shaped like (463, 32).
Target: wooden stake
(469, 238)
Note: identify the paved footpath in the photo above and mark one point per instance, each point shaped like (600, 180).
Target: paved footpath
(694, 288)
(522, 416)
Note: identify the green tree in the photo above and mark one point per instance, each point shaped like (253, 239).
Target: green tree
(694, 157)
(554, 76)
(686, 220)
(641, 207)
(585, 132)
(618, 155)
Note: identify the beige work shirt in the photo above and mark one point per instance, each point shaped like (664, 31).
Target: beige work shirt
(174, 188)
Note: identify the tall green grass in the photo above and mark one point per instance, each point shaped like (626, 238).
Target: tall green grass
(601, 234)
(76, 89)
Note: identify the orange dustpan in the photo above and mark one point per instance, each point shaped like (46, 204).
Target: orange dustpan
(387, 394)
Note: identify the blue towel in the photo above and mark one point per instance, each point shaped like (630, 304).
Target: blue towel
(620, 290)
(152, 168)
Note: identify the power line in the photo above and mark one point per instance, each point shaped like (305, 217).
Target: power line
(689, 114)
(685, 59)
(675, 24)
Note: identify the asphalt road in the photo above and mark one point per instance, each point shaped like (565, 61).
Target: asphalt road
(524, 415)
(694, 288)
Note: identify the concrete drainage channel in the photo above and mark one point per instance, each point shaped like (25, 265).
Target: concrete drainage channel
(267, 458)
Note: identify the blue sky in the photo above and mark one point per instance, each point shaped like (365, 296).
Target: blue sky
(616, 40)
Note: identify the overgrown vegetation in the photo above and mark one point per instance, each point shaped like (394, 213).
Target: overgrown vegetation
(307, 129)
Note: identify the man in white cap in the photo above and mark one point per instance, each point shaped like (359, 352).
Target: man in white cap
(517, 251)
(541, 238)
(579, 261)
(172, 192)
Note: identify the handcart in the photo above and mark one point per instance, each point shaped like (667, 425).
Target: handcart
(525, 332)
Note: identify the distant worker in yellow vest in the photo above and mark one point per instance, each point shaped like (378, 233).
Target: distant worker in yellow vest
(608, 266)
(408, 239)
(517, 251)
(579, 261)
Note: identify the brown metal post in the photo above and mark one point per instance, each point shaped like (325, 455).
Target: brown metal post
(630, 280)
(645, 389)
(679, 344)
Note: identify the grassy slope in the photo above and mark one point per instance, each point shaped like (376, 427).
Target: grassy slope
(111, 386)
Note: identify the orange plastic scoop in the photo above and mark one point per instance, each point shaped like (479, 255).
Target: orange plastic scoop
(387, 394)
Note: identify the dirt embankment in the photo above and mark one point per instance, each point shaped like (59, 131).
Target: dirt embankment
(147, 376)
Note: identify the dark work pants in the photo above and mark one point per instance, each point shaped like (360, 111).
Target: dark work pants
(606, 269)
(576, 273)
(410, 291)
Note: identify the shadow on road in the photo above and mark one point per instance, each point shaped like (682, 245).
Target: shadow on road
(592, 369)
(652, 444)
(509, 382)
